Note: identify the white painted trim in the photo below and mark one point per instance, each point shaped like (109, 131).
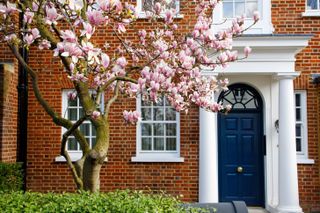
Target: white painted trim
(263, 26)
(157, 159)
(311, 13)
(142, 14)
(73, 156)
(303, 155)
(156, 156)
(305, 161)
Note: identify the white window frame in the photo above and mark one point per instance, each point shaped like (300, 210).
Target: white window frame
(74, 155)
(302, 156)
(311, 12)
(142, 14)
(263, 26)
(156, 156)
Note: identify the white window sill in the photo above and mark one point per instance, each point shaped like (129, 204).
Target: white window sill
(144, 16)
(74, 157)
(157, 159)
(305, 161)
(311, 13)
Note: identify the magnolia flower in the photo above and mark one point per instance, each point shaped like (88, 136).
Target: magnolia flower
(105, 60)
(157, 8)
(44, 44)
(68, 36)
(76, 4)
(121, 28)
(122, 62)
(72, 96)
(95, 115)
(256, 16)
(131, 117)
(28, 16)
(168, 17)
(51, 15)
(247, 51)
(104, 5)
(95, 17)
(88, 30)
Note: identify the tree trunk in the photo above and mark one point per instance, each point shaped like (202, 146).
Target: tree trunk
(95, 158)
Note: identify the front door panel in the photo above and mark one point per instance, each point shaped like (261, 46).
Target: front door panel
(241, 158)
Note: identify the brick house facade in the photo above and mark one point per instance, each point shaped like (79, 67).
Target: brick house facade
(293, 25)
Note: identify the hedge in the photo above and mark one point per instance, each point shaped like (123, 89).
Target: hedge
(113, 202)
(11, 176)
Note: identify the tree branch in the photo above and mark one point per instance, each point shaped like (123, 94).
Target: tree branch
(64, 152)
(55, 117)
(111, 101)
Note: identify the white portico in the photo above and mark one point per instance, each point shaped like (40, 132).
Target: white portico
(270, 70)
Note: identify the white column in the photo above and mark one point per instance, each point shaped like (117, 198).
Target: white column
(288, 177)
(208, 158)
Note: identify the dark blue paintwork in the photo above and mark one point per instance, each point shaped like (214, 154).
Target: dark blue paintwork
(241, 144)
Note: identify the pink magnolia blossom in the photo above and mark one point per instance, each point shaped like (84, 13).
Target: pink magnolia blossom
(256, 16)
(44, 44)
(95, 115)
(95, 17)
(247, 51)
(121, 28)
(51, 15)
(72, 95)
(122, 62)
(131, 117)
(68, 36)
(104, 5)
(28, 16)
(76, 5)
(105, 60)
(88, 30)
(157, 8)
(168, 17)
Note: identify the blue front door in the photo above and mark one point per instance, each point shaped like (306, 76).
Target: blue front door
(240, 144)
(241, 170)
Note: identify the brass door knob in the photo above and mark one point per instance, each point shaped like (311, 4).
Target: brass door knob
(239, 169)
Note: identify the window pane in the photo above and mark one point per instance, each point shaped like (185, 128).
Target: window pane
(171, 130)
(239, 9)
(160, 102)
(94, 133)
(146, 144)
(250, 8)
(298, 144)
(146, 129)
(298, 130)
(298, 114)
(72, 102)
(312, 4)
(298, 99)
(158, 114)
(85, 129)
(158, 129)
(72, 144)
(158, 144)
(146, 103)
(93, 142)
(170, 114)
(227, 9)
(81, 112)
(72, 114)
(146, 114)
(171, 144)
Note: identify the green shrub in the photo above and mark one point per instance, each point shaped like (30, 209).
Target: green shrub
(113, 202)
(11, 176)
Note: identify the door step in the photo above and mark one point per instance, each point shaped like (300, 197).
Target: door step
(257, 210)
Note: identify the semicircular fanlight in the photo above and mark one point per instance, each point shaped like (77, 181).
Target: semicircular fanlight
(240, 97)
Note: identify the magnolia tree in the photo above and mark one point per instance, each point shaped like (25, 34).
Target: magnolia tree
(161, 61)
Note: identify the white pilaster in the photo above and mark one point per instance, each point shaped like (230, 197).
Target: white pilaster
(288, 177)
(208, 158)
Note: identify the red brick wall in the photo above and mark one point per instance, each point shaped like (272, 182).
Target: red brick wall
(287, 19)
(8, 105)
